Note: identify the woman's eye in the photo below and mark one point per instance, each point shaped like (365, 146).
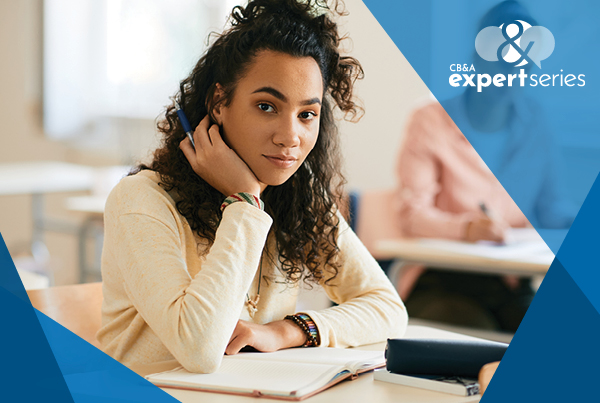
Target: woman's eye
(266, 108)
(307, 115)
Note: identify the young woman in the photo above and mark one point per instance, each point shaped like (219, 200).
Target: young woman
(205, 247)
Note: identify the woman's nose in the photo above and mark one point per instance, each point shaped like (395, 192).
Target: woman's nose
(288, 133)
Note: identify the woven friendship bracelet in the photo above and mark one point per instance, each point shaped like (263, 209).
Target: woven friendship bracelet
(243, 197)
(309, 328)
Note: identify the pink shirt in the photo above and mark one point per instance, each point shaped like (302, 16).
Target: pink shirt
(443, 180)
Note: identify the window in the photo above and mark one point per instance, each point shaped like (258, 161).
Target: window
(117, 60)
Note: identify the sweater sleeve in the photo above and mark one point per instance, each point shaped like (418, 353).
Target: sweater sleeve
(193, 317)
(369, 309)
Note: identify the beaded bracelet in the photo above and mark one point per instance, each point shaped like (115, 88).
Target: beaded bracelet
(309, 328)
(243, 197)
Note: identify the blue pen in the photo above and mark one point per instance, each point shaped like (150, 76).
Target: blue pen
(185, 123)
(484, 209)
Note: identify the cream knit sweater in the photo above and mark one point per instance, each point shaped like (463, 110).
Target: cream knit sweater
(166, 297)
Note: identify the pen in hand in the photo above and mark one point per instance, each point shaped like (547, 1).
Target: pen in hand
(484, 209)
(185, 123)
(494, 229)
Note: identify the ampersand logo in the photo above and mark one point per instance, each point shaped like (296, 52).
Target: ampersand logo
(515, 43)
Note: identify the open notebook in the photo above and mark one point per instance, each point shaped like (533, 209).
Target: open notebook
(292, 374)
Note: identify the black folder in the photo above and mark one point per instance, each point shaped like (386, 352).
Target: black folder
(441, 357)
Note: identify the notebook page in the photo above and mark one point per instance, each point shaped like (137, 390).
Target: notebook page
(246, 376)
(522, 235)
(322, 355)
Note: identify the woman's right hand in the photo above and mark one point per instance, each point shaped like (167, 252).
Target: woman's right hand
(486, 229)
(218, 164)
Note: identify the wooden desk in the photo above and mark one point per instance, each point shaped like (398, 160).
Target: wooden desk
(363, 389)
(524, 259)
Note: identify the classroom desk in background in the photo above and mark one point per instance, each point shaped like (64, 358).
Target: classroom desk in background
(36, 179)
(91, 228)
(362, 389)
(40, 178)
(525, 255)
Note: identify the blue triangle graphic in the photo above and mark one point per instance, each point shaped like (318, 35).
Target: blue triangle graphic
(9, 278)
(93, 376)
(44, 362)
(548, 123)
(579, 251)
(29, 371)
(553, 356)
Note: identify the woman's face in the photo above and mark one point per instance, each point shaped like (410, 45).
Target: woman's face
(272, 121)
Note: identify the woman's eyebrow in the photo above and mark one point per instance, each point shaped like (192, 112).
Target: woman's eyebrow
(279, 95)
(311, 101)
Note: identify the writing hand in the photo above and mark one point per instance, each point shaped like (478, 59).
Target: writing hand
(486, 229)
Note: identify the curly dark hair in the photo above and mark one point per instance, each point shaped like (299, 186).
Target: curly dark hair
(305, 224)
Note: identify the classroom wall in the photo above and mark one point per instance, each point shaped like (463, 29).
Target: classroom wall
(388, 93)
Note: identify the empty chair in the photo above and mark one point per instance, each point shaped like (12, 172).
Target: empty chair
(76, 307)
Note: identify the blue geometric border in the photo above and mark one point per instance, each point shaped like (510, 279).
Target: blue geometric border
(554, 354)
(44, 362)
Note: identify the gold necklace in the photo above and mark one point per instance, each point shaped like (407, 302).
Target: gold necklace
(253, 303)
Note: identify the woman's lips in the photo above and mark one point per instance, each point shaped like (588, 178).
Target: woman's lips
(281, 162)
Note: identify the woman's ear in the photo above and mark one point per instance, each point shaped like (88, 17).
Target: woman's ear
(218, 99)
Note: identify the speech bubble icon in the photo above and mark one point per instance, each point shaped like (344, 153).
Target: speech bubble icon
(543, 44)
(487, 42)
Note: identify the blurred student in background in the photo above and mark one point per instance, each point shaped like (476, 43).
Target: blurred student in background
(447, 191)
